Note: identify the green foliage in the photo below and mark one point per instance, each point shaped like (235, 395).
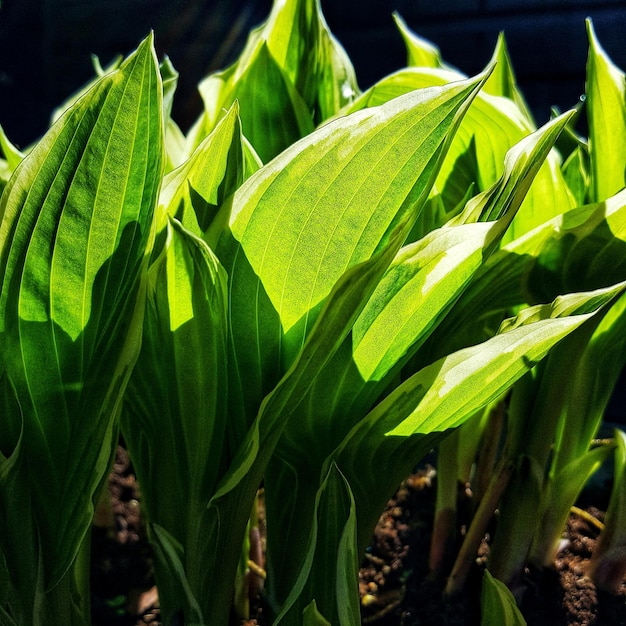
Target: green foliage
(498, 604)
(313, 284)
(608, 562)
(78, 223)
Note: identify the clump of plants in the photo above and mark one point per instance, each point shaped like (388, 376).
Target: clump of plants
(310, 290)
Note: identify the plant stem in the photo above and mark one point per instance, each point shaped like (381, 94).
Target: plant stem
(445, 509)
(476, 531)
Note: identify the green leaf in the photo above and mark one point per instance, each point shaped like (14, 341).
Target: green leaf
(418, 412)
(77, 229)
(174, 138)
(312, 617)
(418, 289)
(576, 174)
(320, 208)
(337, 84)
(606, 113)
(176, 404)
(491, 126)
(608, 561)
(11, 153)
(497, 604)
(291, 75)
(522, 164)
(592, 383)
(273, 114)
(234, 497)
(556, 500)
(420, 52)
(341, 309)
(299, 39)
(421, 283)
(582, 249)
(497, 363)
(502, 81)
(328, 575)
(195, 192)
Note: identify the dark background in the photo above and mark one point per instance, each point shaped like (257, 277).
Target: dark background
(45, 45)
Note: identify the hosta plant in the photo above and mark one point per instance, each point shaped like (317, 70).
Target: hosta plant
(286, 297)
(555, 411)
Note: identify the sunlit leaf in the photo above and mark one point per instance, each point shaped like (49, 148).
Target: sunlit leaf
(606, 106)
(291, 75)
(420, 52)
(490, 128)
(299, 224)
(419, 411)
(195, 192)
(77, 228)
(502, 81)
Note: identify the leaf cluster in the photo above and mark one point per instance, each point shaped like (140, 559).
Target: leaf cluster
(306, 294)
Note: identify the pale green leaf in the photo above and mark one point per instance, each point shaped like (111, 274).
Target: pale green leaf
(321, 207)
(522, 164)
(300, 41)
(273, 113)
(12, 154)
(420, 286)
(576, 174)
(490, 128)
(420, 52)
(606, 113)
(502, 81)
(195, 192)
(174, 138)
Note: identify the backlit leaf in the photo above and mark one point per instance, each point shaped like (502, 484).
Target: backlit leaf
(321, 207)
(606, 106)
(77, 228)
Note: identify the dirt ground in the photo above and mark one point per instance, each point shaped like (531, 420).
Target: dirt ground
(395, 586)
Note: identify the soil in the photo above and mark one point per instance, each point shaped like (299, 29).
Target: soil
(395, 586)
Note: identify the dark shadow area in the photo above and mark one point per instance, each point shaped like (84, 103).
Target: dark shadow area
(45, 45)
